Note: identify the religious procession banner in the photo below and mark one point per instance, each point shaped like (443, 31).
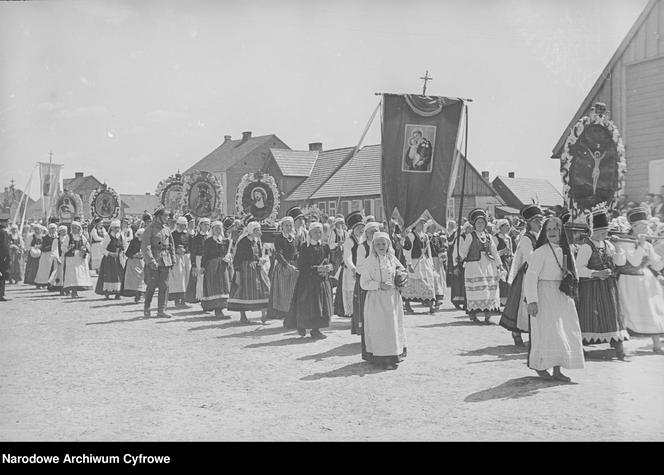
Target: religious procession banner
(419, 137)
(257, 195)
(50, 181)
(105, 203)
(592, 165)
(170, 192)
(202, 195)
(67, 206)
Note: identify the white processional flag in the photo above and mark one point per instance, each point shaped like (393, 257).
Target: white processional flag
(50, 180)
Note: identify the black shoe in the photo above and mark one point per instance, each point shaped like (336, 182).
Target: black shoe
(146, 313)
(317, 335)
(301, 332)
(2, 299)
(162, 314)
(117, 296)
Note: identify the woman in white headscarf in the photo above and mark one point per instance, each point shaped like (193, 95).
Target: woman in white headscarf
(250, 289)
(421, 285)
(384, 335)
(195, 285)
(312, 306)
(178, 277)
(49, 255)
(284, 272)
(363, 250)
(111, 272)
(57, 278)
(134, 277)
(97, 235)
(215, 265)
(76, 251)
(34, 255)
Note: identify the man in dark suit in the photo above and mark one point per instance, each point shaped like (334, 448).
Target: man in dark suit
(4, 256)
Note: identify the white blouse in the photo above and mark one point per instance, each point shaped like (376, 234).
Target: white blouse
(524, 249)
(542, 265)
(377, 270)
(634, 254)
(586, 252)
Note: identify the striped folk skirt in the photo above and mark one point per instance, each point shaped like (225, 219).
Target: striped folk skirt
(282, 288)
(216, 284)
(555, 335)
(599, 311)
(250, 289)
(134, 282)
(421, 286)
(77, 273)
(481, 280)
(515, 313)
(440, 285)
(31, 268)
(642, 303)
(111, 275)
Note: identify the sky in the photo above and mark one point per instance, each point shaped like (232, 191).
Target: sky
(133, 91)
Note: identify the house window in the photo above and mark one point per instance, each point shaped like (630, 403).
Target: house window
(356, 205)
(378, 207)
(332, 208)
(345, 207)
(368, 207)
(321, 207)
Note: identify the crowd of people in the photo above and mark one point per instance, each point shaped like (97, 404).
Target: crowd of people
(564, 283)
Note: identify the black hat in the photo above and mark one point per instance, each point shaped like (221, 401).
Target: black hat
(171, 215)
(248, 219)
(295, 212)
(189, 217)
(354, 218)
(147, 217)
(97, 220)
(476, 214)
(564, 215)
(53, 219)
(228, 222)
(531, 211)
(637, 214)
(599, 220)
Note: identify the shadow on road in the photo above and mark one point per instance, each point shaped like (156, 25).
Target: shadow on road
(205, 318)
(135, 319)
(258, 332)
(116, 304)
(286, 342)
(514, 389)
(503, 352)
(355, 369)
(349, 349)
(605, 354)
(231, 324)
(463, 323)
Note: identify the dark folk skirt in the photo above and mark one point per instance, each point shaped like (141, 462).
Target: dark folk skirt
(599, 311)
(339, 295)
(312, 304)
(250, 289)
(283, 281)
(111, 276)
(458, 288)
(216, 285)
(31, 267)
(359, 296)
(510, 313)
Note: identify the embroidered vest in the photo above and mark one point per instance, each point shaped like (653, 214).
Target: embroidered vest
(477, 247)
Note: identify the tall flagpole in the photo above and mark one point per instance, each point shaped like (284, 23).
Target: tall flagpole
(463, 182)
(25, 206)
(24, 196)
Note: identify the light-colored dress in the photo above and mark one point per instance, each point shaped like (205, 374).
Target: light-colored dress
(421, 286)
(481, 276)
(77, 274)
(47, 262)
(555, 334)
(383, 309)
(96, 248)
(348, 275)
(640, 294)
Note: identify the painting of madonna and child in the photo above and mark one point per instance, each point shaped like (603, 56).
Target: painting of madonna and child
(419, 142)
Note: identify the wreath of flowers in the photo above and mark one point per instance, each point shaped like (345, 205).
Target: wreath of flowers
(75, 199)
(116, 198)
(258, 178)
(593, 118)
(165, 185)
(196, 177)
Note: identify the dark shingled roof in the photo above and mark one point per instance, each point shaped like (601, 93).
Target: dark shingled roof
(229, 153)
(79, 184)
(360, 176)
(328, 161)
(525, 190)
(137, 204)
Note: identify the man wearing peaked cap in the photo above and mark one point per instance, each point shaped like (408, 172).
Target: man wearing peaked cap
(158, 251)
(637, 214)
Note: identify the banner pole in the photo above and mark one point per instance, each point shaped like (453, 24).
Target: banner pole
(463, 182)
(18, 210)
(25, 206)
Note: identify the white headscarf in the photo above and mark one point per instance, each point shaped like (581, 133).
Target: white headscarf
(312, 226)
(249, 229)
(287, 219)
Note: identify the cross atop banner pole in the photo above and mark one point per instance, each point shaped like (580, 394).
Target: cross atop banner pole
(426, 78)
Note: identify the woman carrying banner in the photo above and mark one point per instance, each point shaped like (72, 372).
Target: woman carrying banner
(250, 289)
(49, 255)
(284, 273)
(76, 251)
(195, 285)
(481, 269)
(383, 330)
(178, 277)
(97, 236)
(421, 286)
(598, 308)
(16, 248)
(34, 255)
(343, 301)
(363, 250)
(134, 277)
(111, 272)
(550, 286)
(214, 271)
(515, 314)
(641, 296)
(312, 301)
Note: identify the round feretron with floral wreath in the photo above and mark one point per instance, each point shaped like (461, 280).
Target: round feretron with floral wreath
(202, 195)
(170, 192)
(67, 206)
(105, 203)
(257, 195)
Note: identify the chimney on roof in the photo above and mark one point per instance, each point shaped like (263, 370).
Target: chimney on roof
(316, 147)
(78, 175)
(246, 136)
(147, 193)
(510, 175)
(227, 138)
(485, 175)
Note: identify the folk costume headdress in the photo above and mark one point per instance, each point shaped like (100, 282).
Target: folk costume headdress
(477, 213)
(598, 218)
